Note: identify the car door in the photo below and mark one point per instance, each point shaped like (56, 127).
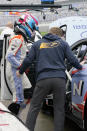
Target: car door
(5, 90)
(5, 85)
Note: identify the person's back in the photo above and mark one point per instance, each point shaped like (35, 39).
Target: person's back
(50, 53)
(51, 57)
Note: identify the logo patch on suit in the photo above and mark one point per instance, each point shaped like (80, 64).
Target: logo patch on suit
(49, 45)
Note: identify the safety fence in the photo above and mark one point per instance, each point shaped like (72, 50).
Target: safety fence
(48, 15)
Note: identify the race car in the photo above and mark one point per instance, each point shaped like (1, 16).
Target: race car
(76, 88)
(9, 121)
(76, 91)
(75, 28)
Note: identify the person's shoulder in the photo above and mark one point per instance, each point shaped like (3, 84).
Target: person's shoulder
(36, 43)
(17, 39)
(63, 41)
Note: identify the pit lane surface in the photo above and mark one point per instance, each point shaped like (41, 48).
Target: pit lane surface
(45, 121)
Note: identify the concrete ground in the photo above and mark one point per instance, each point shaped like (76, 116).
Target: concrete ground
(45, 121)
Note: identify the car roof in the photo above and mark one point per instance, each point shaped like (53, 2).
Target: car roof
(68, 20)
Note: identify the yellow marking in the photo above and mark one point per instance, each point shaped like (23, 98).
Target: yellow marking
(49, 45)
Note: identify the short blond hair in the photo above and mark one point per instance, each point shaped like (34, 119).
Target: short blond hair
(56, 31)
(9, 24)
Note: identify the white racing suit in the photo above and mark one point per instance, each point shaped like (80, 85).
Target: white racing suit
(14, 56)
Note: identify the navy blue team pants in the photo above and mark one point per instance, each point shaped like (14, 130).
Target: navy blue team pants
(43, 87)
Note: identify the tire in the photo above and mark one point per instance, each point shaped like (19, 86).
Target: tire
(77, 45)
(81, 53)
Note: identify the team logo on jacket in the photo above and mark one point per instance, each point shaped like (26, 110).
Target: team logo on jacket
(49, 45)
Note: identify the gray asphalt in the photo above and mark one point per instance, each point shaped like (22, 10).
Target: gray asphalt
(45, 121)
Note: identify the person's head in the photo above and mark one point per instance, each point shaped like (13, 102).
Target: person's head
(56, 31)
(10, 25)
(26, 25)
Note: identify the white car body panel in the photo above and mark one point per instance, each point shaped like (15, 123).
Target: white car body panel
(9, 122)
(76, 28)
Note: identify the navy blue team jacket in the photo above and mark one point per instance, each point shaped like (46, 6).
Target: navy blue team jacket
(50, 53)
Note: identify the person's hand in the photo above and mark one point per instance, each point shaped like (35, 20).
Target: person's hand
(18, 74)
(82, 62)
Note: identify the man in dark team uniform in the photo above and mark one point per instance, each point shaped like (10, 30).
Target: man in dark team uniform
(50, 53)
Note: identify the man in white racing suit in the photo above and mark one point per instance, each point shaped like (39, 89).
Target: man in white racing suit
(16, 52)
